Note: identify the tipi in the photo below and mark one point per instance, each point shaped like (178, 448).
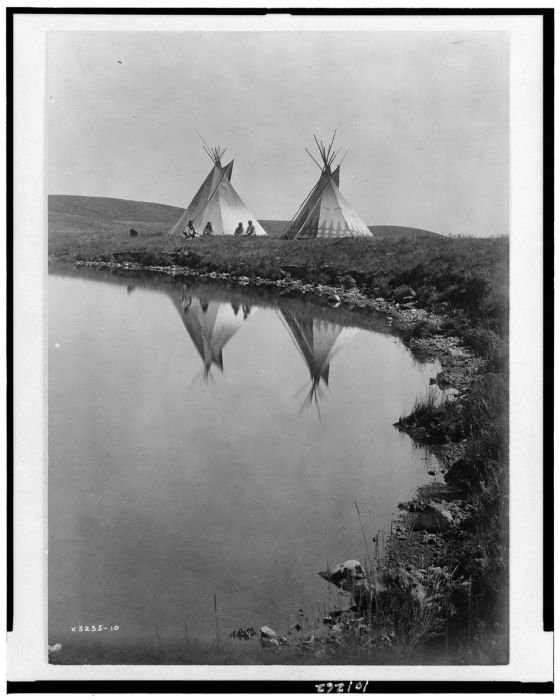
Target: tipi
(318, 342)
(325, 212)
(217, 201)
(210, 324)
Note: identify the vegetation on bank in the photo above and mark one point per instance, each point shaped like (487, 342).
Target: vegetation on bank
(465, 274)
(465, 282)
(478, 550)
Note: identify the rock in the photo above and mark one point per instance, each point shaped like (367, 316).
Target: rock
(333, 299)
(420, 594)
(266, 642)
(462, 474)
(344, 575)
(268, 633)
(350, 576)
(55, 647)
(431, 472)
(434, 518)
(403, 292)
(348, 281)
(380, 299)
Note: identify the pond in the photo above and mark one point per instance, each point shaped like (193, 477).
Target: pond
(208, 451)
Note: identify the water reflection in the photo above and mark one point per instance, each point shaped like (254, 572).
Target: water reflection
(157, 487)
(318, 341)
(210, 324)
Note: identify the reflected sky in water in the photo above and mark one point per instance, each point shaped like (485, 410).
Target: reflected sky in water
(201, 445)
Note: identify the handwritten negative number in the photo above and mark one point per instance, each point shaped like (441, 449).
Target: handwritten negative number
(346, 687)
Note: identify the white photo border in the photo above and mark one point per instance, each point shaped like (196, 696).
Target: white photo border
(530, 647)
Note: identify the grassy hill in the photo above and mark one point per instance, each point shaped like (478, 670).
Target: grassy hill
(401, 232)
(107, 208)
(75, 214)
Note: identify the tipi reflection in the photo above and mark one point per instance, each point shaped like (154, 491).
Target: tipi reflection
(210, 324)
(318, 342)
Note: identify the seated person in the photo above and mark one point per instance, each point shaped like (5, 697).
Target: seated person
(189, 231)
(208, 230)
(239, 230)
(250, 229)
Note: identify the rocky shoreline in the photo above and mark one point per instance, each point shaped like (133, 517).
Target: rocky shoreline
(418, 555)
(459, 365)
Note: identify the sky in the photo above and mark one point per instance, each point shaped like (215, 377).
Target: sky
(423, 117)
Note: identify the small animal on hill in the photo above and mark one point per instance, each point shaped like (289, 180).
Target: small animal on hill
(133, 232)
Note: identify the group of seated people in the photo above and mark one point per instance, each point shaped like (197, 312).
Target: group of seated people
(190, 231)
(250, 231)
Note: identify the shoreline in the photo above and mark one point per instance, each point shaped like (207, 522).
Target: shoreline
(459, 364)
(417, 552)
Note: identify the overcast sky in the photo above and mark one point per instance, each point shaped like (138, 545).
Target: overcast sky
(424, 117)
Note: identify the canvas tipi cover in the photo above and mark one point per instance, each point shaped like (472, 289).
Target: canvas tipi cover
(218, 202)
(201, 198)
(326, 213)
(225, 210)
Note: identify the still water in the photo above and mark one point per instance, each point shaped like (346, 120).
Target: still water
(202, 444)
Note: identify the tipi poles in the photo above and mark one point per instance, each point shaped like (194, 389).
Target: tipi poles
(313, 159)
(302, 205)
(327, 180)
(215, 154)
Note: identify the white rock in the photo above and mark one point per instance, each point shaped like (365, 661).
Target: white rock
(434, 518)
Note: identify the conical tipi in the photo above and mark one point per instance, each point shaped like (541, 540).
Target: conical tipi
(217, 202)
(201, 198)
(318, 342)
(325, 212)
